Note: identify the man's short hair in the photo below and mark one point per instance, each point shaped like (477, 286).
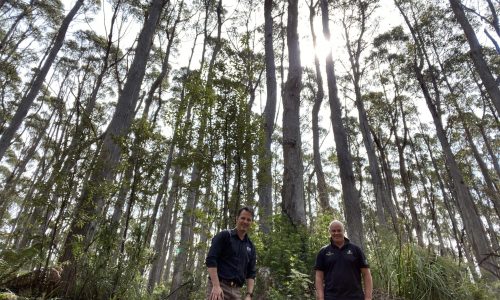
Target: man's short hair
(247, 208)
(336, 222)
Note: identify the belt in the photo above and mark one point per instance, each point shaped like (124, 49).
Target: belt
(230, 283)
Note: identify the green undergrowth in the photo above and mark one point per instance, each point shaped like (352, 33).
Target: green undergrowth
(407, 271)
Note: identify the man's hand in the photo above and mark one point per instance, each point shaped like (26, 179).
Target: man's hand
(217, 293)
(247, 297)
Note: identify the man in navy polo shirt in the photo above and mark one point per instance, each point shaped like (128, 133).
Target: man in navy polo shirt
(231, 261)
(339, 267)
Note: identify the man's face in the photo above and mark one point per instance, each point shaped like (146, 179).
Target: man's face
(244, 221)
(337, 233)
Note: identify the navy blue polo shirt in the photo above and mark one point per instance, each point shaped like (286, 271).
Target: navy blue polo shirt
(342, 270)
(233, 258)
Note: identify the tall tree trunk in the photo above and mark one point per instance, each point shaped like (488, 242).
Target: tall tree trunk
(405, 178)
(429, 196)
(448, 202)
(493, 155)
(476, 54)
(90, 205)
(318, 100)
(170, 244)
(468, 211)
(355, 48)
(164, 228)
(27, 100)
(491, 191)
(12, 180)
(265, 179)
(181, 263)
(389, 178)
(168, 218)
(156, 84)
(349, 194)
(293, 204)
(470, 217)
(188, 218)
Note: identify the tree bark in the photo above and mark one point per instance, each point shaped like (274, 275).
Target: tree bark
(318, 100)
(405, 179)
(349, 194)
(293, 204)
(491, 191)
(476, 54)
(492, 154)
(265, 179)
(355, 48)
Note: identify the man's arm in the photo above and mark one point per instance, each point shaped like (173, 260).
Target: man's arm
(217, 292)
(251, 273)
(214, 253)
(250, 285)
(368, 282)
(320, 292)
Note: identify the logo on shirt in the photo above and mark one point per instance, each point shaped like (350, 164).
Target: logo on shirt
(249, 249)
(349, 252)
(329, 253)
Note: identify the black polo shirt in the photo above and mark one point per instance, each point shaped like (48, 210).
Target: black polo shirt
(342, 270)
(233, 258)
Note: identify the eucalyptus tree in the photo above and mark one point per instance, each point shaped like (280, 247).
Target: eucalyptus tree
(13, 179)
(427, 192)
(293, 204)
(355, 18)
(198, 165)
(77, 70)
(401, 144)
(184, 81)
(22, 25)
(487, 13)
(350, 195)
(82, 132)
(482, 127)
(448, 197)
(402, 113)
(54, 140)
(493, 21)
(491, 190)
(388, 109)
(181, 137)
(251, 67)
(93, 198)
(169, 24)
(38, 79)
(319, 95)
(429, 86)
(459, 91)
(476, 54)
(264, 177)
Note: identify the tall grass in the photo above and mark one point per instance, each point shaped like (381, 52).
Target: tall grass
(410, 272)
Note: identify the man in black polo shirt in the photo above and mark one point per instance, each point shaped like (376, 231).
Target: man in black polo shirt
(339, 266)
(231, 261)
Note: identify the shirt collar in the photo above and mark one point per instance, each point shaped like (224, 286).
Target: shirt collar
(234, 233)
(346, 242)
